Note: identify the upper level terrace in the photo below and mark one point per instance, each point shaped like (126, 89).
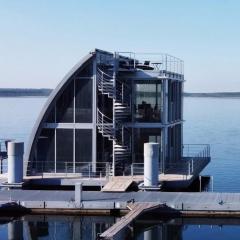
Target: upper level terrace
(154, 65)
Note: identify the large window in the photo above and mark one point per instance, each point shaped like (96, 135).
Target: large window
(64, 150)
(83, 146)
(45, 156)
(64, 111)
(147, 104)
(83, 100)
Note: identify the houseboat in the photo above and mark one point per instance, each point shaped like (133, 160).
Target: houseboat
(96, 121)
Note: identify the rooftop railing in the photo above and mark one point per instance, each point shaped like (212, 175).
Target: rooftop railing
(162, 62)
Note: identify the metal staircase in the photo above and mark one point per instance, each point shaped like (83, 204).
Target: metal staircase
(109, 128)
(105, 83)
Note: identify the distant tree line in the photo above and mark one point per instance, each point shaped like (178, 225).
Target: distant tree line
(25, 92)
(45, 92)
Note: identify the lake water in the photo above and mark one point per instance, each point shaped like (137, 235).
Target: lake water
(89, 227)
(208, 120)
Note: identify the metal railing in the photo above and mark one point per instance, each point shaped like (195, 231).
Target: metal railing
(162, 62)
(68, 169)
(3, 155)
(105, 125)
(195, 158)
(105, 82)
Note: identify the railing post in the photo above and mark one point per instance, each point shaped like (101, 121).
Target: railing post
(78, 194)
(102, 81)
(1, 165)
(200, 183)
(89, 174)
(192, 165)
(132, 169)
(189, 168)
(66, 168)
(106, 171)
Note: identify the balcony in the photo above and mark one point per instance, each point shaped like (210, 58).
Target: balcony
(156, 64)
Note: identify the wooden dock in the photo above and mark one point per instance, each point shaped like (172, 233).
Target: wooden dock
(117, 230)
(118, 184)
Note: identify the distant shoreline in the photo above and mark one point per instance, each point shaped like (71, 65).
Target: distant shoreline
(214, 95)
(25, 92)
(45, 92)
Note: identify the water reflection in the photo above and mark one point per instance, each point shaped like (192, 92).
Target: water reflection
(147, 228)
(55, 227)
(187, 228)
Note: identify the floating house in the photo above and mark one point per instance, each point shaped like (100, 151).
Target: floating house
(96, 121)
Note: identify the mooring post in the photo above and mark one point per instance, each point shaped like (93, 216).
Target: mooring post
(78, 194)
(151, 164)
(15, 162)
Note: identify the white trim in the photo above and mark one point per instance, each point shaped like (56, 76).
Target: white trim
(69, 125)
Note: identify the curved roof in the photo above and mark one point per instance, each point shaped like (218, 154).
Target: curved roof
(60, 87)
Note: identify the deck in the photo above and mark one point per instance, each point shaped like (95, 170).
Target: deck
(180, 201)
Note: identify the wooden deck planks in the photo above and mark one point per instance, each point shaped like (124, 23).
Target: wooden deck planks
(118, 184)
(136, 210)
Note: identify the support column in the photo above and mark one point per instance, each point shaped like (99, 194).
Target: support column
(151, 164)
(94, 112)
(165, 122)
(78, 194)
(15, 162)
(114, 118)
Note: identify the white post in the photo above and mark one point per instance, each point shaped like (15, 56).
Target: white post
(132, 169)
(15, 162)
(151, 164)
(78, 194)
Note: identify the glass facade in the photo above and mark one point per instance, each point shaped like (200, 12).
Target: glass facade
(64, 150)
(45, 152)
(65, 141)
(83, 145)
(83, 100)
(147, 104)
(144, 135)
(174, 101)
(64, 111)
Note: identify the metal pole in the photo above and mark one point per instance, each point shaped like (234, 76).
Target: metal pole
(89, 170)
(200, 183)
(1, 165)
(212, 182)
(192, 165)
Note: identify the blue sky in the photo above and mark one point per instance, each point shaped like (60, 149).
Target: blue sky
(41, 40)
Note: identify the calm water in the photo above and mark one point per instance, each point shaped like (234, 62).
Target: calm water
(208, 120)
(88, 228)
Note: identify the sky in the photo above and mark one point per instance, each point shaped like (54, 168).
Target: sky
(41, 40)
